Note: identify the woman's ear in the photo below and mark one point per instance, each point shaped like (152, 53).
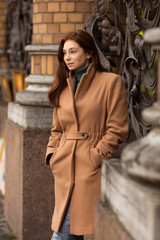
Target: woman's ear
(89, 55)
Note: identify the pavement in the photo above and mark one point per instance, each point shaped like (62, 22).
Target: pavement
(5, 231)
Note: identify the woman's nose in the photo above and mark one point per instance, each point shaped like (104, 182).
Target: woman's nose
(67, 56)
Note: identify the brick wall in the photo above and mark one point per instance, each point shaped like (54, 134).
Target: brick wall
(2, 32)
(51, 20)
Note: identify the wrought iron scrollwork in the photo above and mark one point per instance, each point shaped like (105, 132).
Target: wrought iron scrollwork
(18, 34)
(122, 50)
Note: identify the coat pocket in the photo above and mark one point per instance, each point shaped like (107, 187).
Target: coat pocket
(54, 158)
(96, 157)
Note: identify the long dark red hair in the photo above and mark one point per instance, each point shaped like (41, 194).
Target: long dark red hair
(86, 42)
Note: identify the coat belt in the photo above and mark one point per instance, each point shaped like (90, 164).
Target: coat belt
(76, 136)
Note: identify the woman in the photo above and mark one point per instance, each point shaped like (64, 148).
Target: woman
(90, 120)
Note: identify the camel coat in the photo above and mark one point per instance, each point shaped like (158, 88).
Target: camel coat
(88, 128)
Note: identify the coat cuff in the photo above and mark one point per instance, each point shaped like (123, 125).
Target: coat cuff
(107, 153)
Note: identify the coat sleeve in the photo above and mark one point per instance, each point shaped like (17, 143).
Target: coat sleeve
(54, 139)
(117, 118)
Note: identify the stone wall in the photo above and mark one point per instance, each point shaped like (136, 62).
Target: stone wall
(107, 226)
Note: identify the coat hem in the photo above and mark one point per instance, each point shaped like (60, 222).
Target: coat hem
(82, 231)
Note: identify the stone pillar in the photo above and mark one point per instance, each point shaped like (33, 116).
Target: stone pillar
(29, 199)
(29, 195)
(130, 203)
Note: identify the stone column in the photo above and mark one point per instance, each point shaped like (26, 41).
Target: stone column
(130, 204)
(29, 195)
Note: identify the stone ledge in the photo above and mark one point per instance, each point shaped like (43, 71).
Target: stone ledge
(42, 49)
(39, 83)
(136, 204)
(37, 98)
(107, 227)
(39, 79)
(30, 117)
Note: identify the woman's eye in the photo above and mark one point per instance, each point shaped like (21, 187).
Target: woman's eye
(73, 51)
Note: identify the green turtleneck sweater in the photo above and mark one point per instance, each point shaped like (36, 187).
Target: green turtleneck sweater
(79, 74)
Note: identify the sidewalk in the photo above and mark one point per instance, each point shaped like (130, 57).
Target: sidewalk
(5, 232)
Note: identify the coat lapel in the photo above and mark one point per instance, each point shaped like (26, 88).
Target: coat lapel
(71, 81)
(82, 88)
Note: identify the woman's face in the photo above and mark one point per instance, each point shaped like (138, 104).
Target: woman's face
(74, 56)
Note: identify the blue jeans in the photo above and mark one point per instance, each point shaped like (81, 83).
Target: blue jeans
(64, 233)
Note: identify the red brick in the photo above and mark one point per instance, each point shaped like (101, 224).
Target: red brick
(47, 17)
(53, 28)
(83, 7)
(37, 69)
(57, 38)
(42, 7)
(37, 59)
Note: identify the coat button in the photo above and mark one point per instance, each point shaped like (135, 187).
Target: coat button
(84, 135)
(109, 154)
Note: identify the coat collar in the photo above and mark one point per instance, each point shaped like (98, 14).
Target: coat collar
(84, 82)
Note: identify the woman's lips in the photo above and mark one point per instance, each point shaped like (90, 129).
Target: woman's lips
(69, 64)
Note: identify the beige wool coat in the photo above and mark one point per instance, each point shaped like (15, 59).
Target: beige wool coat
(87, 128)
